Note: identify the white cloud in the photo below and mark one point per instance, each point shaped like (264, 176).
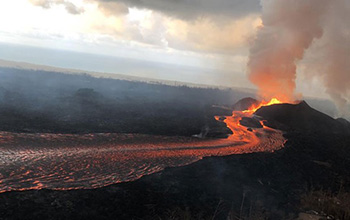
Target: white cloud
(68, 5)
(110, 28)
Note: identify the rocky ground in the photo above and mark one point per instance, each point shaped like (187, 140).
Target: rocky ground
(309, 176)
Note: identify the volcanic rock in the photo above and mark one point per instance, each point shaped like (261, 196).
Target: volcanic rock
(245, 104)
(300, 117)
(250, 122)
(220, 110)
(218, 132)
(222, 118)
(216, 128)
(344, 122)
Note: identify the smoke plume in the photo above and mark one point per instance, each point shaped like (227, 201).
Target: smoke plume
(332, 56)
(289, 28)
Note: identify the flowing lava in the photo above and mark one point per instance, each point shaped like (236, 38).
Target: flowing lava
(67, 161)
(241, 133)
(253, 108)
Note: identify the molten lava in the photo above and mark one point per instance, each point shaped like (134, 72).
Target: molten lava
(76, 161)
(253, 108)
(242, 133)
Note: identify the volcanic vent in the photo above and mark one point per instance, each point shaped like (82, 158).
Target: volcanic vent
(248, 129)
(301, 117)
(250, 117)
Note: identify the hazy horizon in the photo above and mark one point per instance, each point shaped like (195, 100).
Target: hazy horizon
(116, 65)
(162, 40)
(130, 67)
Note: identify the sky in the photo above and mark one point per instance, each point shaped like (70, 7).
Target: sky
(201, 41)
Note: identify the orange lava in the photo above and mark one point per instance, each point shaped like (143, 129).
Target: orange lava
(253, 108)
(72, 161)
(241, 133)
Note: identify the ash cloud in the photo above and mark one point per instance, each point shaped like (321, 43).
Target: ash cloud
(289, 29)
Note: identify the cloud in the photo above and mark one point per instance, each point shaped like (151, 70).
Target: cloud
(211, 35)
(184, 9)
(222, 26)
(41, 3)
(72, 9)
(110, 8)
(191, 9)
(69, 6)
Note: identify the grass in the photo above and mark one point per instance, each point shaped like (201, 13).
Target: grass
(334, 205)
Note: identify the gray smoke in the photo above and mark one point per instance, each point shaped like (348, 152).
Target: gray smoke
(291, 27)
(332, 55)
